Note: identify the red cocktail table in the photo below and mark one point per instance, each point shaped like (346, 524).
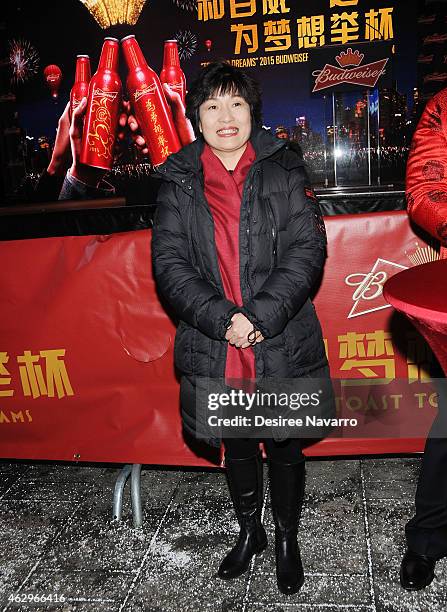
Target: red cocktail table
(421, 294)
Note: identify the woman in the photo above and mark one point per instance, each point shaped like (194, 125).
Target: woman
(238, 242)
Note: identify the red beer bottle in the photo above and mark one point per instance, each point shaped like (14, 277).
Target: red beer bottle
(82, 80)
(172, 74)
(149, 104)
(103, 106)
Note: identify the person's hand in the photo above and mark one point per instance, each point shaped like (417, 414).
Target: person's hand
(182, 124)
(61, 157)
(86, 174)
(237, 334)
(120, 147)
(127, 117)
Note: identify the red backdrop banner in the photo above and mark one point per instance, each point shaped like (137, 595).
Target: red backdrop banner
(86, 348)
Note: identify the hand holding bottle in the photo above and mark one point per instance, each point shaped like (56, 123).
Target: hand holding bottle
(83, 172)
(182, 123)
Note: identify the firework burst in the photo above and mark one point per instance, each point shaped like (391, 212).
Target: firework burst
(187, 43)
(23, 59)
(186, 5)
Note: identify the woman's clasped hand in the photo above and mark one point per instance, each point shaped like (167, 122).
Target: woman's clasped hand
(240, 332)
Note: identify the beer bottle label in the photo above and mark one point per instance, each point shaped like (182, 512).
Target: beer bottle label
(101, 136)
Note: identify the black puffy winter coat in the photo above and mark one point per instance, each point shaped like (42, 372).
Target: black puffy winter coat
(282, 244)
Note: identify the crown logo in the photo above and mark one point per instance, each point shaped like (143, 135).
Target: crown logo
(349, 58)
(422, 255)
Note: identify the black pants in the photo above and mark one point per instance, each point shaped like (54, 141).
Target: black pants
(426, 532)
(288, 451)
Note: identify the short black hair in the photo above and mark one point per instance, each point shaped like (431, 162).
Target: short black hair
(222, 78)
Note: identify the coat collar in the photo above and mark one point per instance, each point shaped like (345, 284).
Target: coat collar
(181, 165)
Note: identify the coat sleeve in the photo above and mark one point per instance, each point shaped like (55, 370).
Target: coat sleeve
(290, 283)
(426, 178)
(194, 299)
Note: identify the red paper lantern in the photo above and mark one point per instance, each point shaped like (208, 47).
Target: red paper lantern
(208, 44)
(53, 78)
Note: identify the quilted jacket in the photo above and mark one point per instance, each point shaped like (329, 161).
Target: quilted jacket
(282, 245)
(426, 180)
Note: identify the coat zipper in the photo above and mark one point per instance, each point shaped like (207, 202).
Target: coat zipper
(273, 231)
(190, 232)
(247, 266)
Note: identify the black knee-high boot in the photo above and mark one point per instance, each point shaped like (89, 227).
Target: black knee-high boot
(287, 491)
(245, 484)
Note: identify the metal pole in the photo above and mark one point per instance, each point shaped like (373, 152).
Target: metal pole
(135, 495)
(118, 492)
(134, 471)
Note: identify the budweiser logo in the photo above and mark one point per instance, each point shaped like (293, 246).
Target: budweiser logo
(366, 75)
(100, 93)
(151, 89)
(367, 296)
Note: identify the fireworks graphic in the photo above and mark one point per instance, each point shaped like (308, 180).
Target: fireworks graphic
(187, 43)
(186, 5)
(23, 59)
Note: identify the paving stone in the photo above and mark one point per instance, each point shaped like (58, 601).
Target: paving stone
(185, 555)
(6, 482)
(177, 579)
(281, 607)
(227, 604)
(387, 521)
(71, 471)
(64, 491)
(81, 589)
(70, 606)
(26, 529)
(391, 597)
(390, 469)
(328, 479)
(391, 478)
(333, 494)
(331, 537)
(317, 590)
(9, 475)
(202, 506)
(13, 467)
(101, 544)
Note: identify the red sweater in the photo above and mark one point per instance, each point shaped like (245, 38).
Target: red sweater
(223, 192)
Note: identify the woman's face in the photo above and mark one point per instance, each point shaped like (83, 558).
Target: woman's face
(225, 122)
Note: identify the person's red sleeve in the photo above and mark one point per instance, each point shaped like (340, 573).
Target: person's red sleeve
(426, 180)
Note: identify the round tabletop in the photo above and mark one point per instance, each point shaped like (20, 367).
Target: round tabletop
(420, 291)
